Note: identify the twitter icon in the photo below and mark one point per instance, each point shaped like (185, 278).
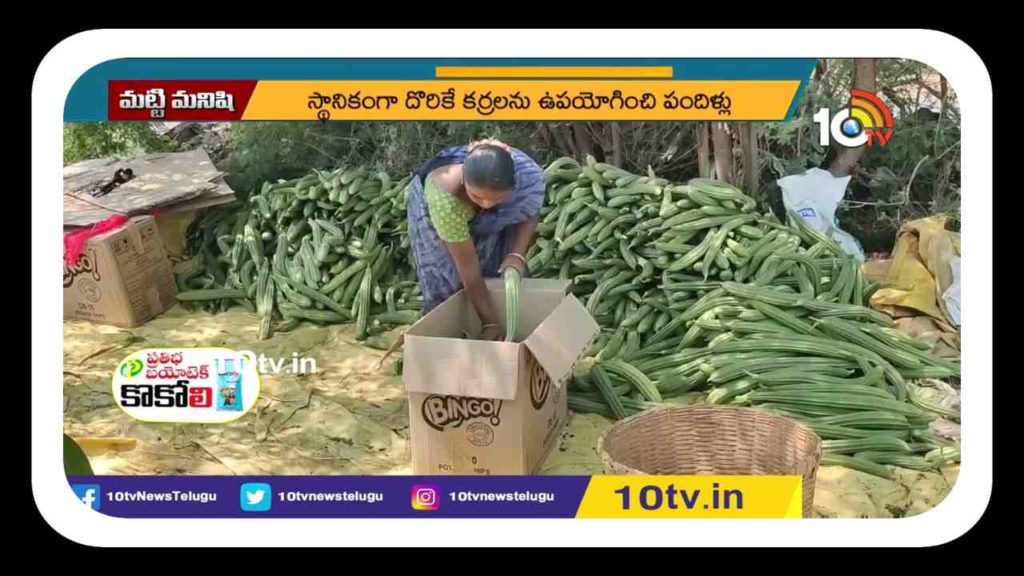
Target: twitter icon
(256, 497)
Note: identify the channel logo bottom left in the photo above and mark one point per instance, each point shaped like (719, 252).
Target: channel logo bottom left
(255, 497)
(89, 494)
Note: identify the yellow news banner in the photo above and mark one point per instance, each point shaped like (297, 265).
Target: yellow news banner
(692, 497)
(547, 99)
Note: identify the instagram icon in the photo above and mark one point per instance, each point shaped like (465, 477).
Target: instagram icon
(425, 497)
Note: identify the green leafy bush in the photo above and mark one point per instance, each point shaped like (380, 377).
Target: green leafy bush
(86, 140)
(262, 151)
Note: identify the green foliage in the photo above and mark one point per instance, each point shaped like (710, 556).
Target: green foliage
(917, 174)
(262, 151)
(87, 140)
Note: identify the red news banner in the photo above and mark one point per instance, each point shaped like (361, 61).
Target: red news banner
(170, 100)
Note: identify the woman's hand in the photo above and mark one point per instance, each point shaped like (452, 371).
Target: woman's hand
(520, 246)
(467, 262)
(514, 260)
(493, 141)
(492, 332)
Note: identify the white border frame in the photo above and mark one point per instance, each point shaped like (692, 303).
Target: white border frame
(960, 64)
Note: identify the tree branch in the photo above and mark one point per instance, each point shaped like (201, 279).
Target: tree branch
(722, 142)
(748, 144)
(562, 135)
(584, 144)
(935, 93)
(848, 160)
(703, 150)
(618, 154)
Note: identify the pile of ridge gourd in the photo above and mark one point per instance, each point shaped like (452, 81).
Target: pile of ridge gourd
(329, 247)
(694, 289)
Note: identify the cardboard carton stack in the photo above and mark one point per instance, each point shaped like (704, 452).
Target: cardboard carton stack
(124, 276)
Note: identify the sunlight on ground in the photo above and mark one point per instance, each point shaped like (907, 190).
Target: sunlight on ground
(348, 418)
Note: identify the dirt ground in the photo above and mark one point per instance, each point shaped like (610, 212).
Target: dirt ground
(348, 418)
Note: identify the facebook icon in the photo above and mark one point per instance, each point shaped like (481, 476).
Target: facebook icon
(89, 494)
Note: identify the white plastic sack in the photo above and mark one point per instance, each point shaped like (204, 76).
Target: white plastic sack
(952, 295)
(815, 195)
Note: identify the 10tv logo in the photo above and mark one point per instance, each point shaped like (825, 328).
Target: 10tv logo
(866, 120)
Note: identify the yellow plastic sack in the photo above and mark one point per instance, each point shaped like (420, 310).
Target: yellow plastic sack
(876, 270)
(919, 273)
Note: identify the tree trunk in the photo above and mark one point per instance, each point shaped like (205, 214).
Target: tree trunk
(722, 142)
(584, 144)
(820, 69)
(618, 155)
(847, 160)
(545, 135)
(703, 150)
(748, 144)
(942, 96)
(563, 136)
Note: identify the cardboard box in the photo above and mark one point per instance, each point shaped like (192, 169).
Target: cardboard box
(492, 408)
(122, 278)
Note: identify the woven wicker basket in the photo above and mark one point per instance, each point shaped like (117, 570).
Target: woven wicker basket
(716, 440)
